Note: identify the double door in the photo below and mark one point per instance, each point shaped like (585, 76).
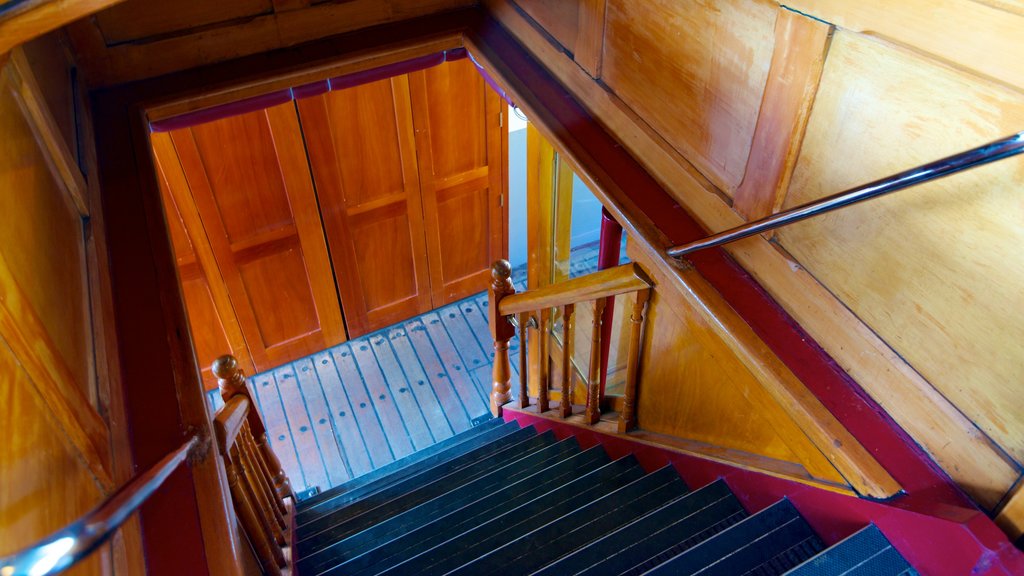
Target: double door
(312, 221)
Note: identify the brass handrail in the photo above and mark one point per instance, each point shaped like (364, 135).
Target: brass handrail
(64, 548)
(984, 154)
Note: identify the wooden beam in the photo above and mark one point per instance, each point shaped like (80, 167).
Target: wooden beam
(42, 17)
(62, 162)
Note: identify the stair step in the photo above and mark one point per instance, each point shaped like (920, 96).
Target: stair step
(394, 499)
(415, 463)
(772, 541)
(514, 470)
(535, 549)
(524, 518)
(864, 553)
(387, 489)
(441, 528)
(653, 538)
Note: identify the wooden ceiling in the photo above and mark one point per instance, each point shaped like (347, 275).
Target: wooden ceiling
(139, 39)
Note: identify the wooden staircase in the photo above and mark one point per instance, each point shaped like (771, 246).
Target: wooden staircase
(505, 499)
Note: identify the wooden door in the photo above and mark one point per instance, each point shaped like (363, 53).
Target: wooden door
(253, 191)
(363, 155)
(459, 144)
(215, 329)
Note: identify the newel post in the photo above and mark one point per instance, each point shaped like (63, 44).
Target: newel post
(231, 381)
(501, 331)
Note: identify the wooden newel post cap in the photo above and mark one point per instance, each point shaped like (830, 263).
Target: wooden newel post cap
(501, 271)
(230, 378)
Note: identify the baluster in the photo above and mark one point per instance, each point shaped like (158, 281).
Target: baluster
(524, 382)
(261, 543)
(260, 525)
(593, 413)
(501, 331)
(266, 486)
(267, 477)
(259, 497)
(568, 329)
(231, 382)
(627, 419)
(543, 383)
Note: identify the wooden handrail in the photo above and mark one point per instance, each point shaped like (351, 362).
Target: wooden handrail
(610, 282)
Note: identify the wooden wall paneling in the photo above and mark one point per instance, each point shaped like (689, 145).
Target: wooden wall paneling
(949, 437)
(801, 44)
(42, 17)
(362, 152)
(696, 71)
(983, 36)
(1010, 513)
(259, 210)
(590, 36)
(51, 136)
(215, 328)
(458, 142)
(559, 18)
(56, 74)
(44, 484)
(138, 19)
(44, 314)
(935, 271)
(109, 65)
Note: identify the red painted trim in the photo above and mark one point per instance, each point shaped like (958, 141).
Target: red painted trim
(608, 252)
(961, 541)
(305, 91)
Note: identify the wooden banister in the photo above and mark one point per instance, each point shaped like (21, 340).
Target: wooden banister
(231, 381)
(258, 504)
(532, 310)
(610, 282)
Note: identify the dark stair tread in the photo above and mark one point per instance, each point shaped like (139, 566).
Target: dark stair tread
(866, 552)
(413, 464)
(769, 542)
(511, 472)
(440, 529)
(395, 500)
(387, 490)
(581, 526)
(524, 518)
(657, 536)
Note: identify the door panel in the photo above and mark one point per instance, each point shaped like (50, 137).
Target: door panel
(459, 146)
(252, 188)
(212, 319)
(362, 152)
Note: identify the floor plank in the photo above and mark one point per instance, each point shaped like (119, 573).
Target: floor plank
(345, 411)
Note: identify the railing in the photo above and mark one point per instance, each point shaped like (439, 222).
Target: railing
(258, 484)
(984, 154)
(527, 311)
(67, 546)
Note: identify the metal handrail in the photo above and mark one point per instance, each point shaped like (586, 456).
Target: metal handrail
(991, 152)
(64, 548)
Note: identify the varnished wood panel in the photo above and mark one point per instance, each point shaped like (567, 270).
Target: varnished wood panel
(43, 482)
(41, 240)
(558, 17)
(363, 155)
(952, 439)
(936, 270)
(459, 137)
(140, 19)
(253, 191)
(696, 71)
(51, 62)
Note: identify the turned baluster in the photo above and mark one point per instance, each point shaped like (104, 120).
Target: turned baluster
(593, 412)
(231, 382)
(524, 377)
(568, 321)
(627, 418)
(501, 332)
(544, 381)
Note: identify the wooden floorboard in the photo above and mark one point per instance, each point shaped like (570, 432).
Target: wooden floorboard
(345, 411)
